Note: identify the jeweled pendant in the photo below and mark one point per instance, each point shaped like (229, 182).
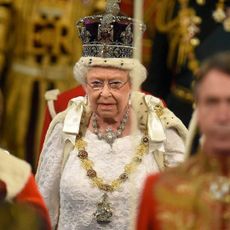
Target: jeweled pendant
(109, 136)
(220, 188)
(104, 211)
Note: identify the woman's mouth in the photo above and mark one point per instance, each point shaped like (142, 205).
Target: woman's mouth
(106, 106)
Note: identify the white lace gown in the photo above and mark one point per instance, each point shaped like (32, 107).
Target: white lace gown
(69, 194)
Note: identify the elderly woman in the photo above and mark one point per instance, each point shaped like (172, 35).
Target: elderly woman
(99, 150)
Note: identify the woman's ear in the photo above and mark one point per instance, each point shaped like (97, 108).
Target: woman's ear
(85, 87)
(130, 102)
(86, 99)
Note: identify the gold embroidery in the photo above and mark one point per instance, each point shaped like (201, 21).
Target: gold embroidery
(194, 196)
(159, 110)
(183, 30)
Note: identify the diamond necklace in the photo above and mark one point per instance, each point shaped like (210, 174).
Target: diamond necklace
(104, 211)
(110, 136)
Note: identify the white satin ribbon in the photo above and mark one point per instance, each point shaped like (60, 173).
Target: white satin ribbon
(156, 131)
(73, 116)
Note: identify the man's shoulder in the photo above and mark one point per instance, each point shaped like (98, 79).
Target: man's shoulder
(14, 172)
(7, 158)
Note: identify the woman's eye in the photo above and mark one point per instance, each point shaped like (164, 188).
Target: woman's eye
(115, 84)
(97, 84)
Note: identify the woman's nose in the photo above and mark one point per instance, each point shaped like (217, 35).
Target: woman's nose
(105, 91)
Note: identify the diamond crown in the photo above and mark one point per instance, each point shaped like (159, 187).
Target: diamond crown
(108, 35)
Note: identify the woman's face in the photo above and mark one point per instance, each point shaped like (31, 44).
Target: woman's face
(108, 91)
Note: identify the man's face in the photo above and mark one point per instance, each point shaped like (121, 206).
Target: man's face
(108, 91)
(213, 110)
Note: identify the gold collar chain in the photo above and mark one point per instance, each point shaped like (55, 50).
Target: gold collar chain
(104, 211)
(129, 168)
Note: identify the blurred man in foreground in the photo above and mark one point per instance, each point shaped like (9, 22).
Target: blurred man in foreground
(196, 195)
(21, 205)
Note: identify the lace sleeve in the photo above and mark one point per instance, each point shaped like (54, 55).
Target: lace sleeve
(174, 148)
(49, 172)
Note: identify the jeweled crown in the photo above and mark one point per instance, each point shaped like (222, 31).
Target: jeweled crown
(109, 35)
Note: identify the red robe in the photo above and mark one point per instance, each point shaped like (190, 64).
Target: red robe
(31, 195)
(17, 186)
(146, 209)
(194, 195)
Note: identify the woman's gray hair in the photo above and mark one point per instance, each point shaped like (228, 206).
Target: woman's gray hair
(137, 72)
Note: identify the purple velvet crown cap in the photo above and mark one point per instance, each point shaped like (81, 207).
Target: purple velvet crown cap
(108, 36)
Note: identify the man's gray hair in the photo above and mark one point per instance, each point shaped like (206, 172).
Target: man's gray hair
(220, 62)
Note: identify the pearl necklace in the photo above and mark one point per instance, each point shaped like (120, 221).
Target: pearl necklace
(110, 136)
